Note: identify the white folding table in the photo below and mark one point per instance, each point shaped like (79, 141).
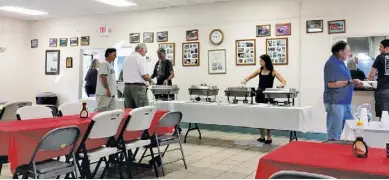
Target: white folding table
(373, 134)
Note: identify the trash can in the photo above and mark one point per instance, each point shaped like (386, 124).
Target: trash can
(49, 99)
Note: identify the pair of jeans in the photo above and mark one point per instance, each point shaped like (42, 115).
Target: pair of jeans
(337, 114)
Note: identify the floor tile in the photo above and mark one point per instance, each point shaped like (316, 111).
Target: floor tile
(178, 175)
(221, 167)
(202, 164)
(232, 175)
(211, 172)
(199, 176)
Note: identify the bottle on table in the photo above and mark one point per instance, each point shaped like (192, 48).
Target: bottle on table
(360, 148)
(84, 112)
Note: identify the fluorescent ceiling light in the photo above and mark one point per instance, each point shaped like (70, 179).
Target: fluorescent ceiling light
(22, 10)
(119, 3)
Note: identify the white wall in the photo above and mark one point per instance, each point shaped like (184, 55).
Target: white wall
(15, 66)
(307, 52)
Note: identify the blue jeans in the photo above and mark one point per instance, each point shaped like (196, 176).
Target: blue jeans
(337, 114)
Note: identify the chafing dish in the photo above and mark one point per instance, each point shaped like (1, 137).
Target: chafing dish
(237, 92)
(163, 92)
(209, 92)
(275, 93)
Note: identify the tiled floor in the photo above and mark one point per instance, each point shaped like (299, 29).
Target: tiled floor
(215, 156)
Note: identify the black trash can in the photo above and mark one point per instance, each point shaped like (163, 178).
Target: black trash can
(49, 99)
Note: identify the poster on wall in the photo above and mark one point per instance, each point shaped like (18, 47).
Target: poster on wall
(53, 42)
(192, 35)
(245, 52)
(134, 38)
(63, 42)
(85, 40)
(162, 36)
(191, 54)
(34, 43)
(314, 26)
(263, 30)
(217, 61)
(69, 62)
(74, 41)
(284, 29)
(170, 50)
(148, 37)
(277, 49)
(52, 62)
(337, 26)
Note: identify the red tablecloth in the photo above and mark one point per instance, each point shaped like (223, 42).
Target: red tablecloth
(334, 160)
(18, 139)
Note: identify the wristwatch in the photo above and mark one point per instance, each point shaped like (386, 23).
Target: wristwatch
(349, 82)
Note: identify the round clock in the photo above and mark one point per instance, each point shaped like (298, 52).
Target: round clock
(216, 37)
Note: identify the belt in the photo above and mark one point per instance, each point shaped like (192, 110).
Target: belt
(137, 84)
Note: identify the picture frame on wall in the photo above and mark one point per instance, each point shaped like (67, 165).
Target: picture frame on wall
(337, 26)
(63, 42)
(192, 35)
(191, 54)
(34, 43)
(162, 36)
(277, 49)
(53, 42)
(52, 62)
(263, 30)
(134, 37)
(170, 49)
(85, 40)
(245, 53)
(148, 37)
(74, 41)
(314, 26)
(284, 29)
(69, 62)
(217, 61)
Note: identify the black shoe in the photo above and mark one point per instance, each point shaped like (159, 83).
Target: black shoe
(268, 141)
(261, 140)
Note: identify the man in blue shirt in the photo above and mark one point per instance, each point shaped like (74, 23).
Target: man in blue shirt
(338, 90)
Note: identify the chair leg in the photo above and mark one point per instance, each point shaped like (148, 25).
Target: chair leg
(107, 162)
(161, 159)
(155, 162)
(182, 152)
(86, 171)
(143, 155)
(128, 163)
(97, 167)
(15, 176)
(118, 166)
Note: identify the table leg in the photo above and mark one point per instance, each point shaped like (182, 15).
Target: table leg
(293, 136)
(190, 129)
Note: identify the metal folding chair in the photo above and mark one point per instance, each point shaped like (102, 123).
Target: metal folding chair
(298, 175)
(55, 140)
(171, 119)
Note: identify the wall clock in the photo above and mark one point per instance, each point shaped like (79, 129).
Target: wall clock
(216, 37)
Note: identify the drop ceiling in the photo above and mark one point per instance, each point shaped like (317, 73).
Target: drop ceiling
(74, 8)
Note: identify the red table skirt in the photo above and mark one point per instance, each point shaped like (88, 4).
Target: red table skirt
(18, 139)
(334, 160)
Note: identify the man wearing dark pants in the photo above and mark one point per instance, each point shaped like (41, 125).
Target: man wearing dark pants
(381, 64)
(135, 76)
(163, 71)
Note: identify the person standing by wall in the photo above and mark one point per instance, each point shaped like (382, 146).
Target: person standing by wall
(91, 78)
(106, 85)
(381, 64)
(135, 77)
(338, 90)
(163, 71)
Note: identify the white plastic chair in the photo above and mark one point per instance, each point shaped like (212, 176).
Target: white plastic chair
(298, 175)
(34, 112)
(9, 109)
(103, 125)
(69, 109)
(139, 119)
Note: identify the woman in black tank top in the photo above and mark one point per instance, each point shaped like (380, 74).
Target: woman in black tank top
(266, 80)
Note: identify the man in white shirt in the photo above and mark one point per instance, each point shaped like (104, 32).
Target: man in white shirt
(135, 77)
(106, 87)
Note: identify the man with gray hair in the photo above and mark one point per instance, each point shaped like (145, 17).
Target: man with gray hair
(135, 77)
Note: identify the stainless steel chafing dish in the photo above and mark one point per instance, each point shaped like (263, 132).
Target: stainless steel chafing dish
(244, 92)
(287, 93)
(210, 92)
(160, 90)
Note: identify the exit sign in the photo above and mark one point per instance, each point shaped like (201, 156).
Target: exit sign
(104, 31)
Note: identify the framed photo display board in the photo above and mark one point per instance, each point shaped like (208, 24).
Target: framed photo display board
(191, 54)
(52, 62)
(170, 49)
(277, 49)
(245, 52)
(217, 61)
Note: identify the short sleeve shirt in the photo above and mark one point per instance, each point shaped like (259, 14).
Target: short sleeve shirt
(336, 70)
(382, 65)
(105, 68)
(134, 67)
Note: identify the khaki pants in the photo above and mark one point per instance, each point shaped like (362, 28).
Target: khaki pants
(105, 103)
(135, 96)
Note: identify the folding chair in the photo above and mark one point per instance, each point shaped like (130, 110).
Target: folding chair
(33, 112)
(171, 119)
(139, 119)
(103, 126)
(298, 175)
(69, 109)
(9, 109)
(55, 140)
